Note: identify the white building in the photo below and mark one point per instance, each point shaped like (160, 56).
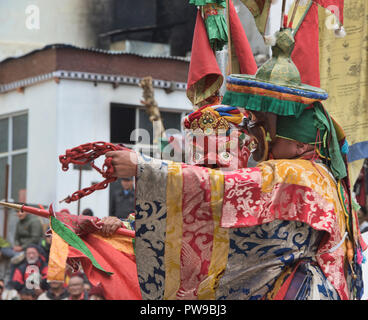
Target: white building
(60, 97)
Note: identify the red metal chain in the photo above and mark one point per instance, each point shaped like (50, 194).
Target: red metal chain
(87, 153)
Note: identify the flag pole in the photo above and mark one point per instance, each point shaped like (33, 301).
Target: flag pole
(283, 14)
(80, 187)
(294, 13)
(229, 49)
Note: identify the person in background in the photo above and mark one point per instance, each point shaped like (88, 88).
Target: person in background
(57, 291)
(45, 245)
(76, 288)
(4, 244)
(87, 286)
(7, 294)
(27, 294)
(87, 212)
(96, 293)
(2, 287)
(123, 200)
(28, 231)
(31, 273)
(4, 260)
(363, 219)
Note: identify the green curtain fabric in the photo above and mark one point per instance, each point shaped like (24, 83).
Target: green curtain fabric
(263, 103)
(221, 3)
(217, 31)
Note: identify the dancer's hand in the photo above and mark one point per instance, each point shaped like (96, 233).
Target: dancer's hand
(124, 163)
(110, 225)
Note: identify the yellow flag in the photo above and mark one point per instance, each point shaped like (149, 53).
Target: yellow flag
(343, 70)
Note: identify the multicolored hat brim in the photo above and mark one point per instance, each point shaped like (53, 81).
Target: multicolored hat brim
(248, 92)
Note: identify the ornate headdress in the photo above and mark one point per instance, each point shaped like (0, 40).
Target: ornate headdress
(211, 119)
(216, 138)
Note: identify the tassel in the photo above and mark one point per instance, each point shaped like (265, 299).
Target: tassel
(359, 257)
(345, 148)
(350, 256)
(340, 32)
(349, 251)
(270, 40)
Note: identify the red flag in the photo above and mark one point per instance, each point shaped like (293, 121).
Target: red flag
(306, 51)
(123, 283)
(335, 6)
(204, 77)
(108, 262)
(241, 44)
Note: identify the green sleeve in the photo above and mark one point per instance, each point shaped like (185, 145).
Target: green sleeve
(4, 243)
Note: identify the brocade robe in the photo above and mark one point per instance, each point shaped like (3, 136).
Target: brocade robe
(211, 234)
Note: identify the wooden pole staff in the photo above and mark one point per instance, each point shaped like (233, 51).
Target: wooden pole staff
(283, 13)
(229, 49)
(294, 13)
(5, 227)
(80, 187)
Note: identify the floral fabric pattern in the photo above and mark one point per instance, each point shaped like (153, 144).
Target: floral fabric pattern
(294, 190)
(150, 223)
(207, 234)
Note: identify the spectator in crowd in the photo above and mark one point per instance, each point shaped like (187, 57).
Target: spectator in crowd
(45, 245)
(87, 285)
(31, 273)
(76, 288)
(27, 294)
(28, 231)
(7, 294)
(56, 291)
(4, 260)
(2, 287)
(96, 293)
(4, 244)
(363, 219)
(87, 212)
(123, 200)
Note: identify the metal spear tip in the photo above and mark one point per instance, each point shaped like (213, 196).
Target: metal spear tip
(11, 205)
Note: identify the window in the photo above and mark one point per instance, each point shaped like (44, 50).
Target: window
(122, 123)
(126, 118)
(13, 151)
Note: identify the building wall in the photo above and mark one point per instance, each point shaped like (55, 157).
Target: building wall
(28, 25)
(40, 101)
(65, 115)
